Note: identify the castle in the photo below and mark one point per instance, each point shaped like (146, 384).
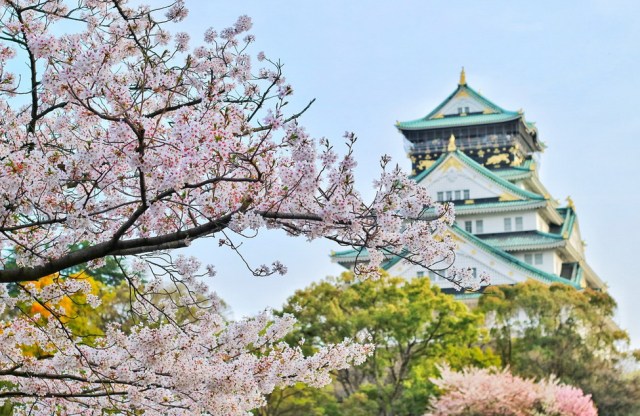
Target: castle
(481, 157)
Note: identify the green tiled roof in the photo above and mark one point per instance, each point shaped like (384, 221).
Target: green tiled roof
(535, 272)
(551, 278)
(345, 253)
(496, 114)
(455, 121)
(353, 253)
(527, 240)
(472, 93)
(363, 256)
(516, 172)
(483, 171)
(502, 182)
(491, 207)
(498, 206)
(569, 219)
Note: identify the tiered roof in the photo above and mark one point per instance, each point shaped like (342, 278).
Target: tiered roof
(524, 240)
(446, 114)
(497, 179)
(514, 173)
(349, 257)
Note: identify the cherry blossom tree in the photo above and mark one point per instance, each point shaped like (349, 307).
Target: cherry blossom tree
(118, 140)
(486, 392)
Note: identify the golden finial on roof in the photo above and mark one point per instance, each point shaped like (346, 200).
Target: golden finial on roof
(452, 144)
(463, 78)
(570, 203)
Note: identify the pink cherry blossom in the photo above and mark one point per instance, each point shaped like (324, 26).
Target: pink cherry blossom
(128, 150)
(499, 393)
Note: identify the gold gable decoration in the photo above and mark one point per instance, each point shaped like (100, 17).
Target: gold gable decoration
(498, 159)
(425, 164)
(517, 160)
(451, 147)
(456, 238)
(508, 197)
(452, 163)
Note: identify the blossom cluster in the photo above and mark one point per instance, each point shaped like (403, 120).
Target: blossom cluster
(499, 393)
(131, 145)
(128, 147)
(205, 366)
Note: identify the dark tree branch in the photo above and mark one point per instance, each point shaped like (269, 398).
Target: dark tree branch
(109, 248)
(172, 108)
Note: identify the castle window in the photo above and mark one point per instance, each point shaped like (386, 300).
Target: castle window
(466, 110)
(468, 226)
(507, 224)
(528, 258)
(519, 225)
(479, 227)
(455, 195)
(538, 258)
(420, 274)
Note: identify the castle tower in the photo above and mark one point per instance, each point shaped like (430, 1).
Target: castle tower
(470, 152)
(484, 131)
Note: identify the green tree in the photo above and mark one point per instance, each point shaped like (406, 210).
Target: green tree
(539, 330)
(413, 326)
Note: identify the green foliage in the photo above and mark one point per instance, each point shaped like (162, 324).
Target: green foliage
(301, 400)
(89, 322)
(539, 330)
(6, 409)
(413, 326)
(110, 272)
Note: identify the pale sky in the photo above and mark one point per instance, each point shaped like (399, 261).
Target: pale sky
(572, 66)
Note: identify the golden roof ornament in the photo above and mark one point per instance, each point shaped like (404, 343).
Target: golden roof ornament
(570, 203)
(451, 147)
(463, 78)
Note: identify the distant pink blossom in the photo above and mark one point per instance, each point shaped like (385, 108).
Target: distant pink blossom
(499, 393)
